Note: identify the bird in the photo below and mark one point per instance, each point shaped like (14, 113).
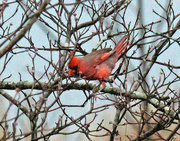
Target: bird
(98, 64)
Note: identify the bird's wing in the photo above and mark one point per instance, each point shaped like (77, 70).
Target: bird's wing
(98, 57)
(98, 53)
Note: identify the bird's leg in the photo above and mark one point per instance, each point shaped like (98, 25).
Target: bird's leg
(97, 88)
(87, 81)
(104, 85)
(96, 91)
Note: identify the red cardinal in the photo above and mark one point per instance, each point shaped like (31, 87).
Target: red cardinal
(99, 64)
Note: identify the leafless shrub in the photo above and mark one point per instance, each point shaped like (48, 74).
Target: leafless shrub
(39, 100)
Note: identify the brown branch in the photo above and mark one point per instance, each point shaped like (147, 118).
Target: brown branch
(80, 86)
(89, 23)
(150, 132)
(161, 44)
(157, 62)
(23, 31)
(174, 132)
(15, 102)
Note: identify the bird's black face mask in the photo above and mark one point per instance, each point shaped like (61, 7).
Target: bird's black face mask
(73, 71)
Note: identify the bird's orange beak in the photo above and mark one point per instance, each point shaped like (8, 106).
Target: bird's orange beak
(70, 72)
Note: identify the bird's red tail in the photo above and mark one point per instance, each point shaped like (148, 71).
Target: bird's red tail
(122, 45)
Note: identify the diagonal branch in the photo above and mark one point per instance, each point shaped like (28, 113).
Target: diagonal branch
(15, 102)
(89, 23)
(161, 44)
(23, 31)
(158, 127)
